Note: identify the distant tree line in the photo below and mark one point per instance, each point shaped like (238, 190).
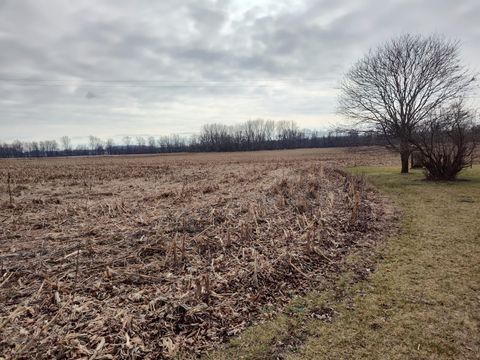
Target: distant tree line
(271, 135)
(248, 136)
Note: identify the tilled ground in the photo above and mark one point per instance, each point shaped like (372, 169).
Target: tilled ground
(144, 259)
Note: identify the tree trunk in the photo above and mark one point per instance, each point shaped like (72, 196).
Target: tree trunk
(404, 156)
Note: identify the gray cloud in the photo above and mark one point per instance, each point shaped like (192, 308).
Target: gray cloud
(170, 66)
(90, 95)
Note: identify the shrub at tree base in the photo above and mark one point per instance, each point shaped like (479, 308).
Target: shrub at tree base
(446, 143)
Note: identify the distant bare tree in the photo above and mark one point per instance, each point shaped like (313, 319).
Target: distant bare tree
(395, 87)
(66, 143)
(48, 147)
(127, 140)
(18, 146)
(288, 133)
(140, 141)
(109, 146)
(446, 142)
(151, 142)
(93, 143)
(35, 149)
(96, 145)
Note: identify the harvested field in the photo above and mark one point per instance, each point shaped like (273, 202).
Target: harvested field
(146, 257)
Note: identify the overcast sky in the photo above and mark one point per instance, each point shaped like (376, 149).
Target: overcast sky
(115, 67)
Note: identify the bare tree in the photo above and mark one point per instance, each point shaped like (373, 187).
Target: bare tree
(127, 140)
(140, 141)
(93, 143)
(446, 142)
(35, 150)
(288, 133)
(151, 143)
(96, 145)
(48, 147)
(396, 86)
(18, 146)
(109, 145)
(66, 143)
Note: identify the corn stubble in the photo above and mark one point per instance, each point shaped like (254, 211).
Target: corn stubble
(143, 258)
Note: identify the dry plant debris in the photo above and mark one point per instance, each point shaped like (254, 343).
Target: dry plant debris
(146, 257)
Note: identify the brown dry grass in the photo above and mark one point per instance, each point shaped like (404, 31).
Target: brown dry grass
(420, 302)
(146, 256)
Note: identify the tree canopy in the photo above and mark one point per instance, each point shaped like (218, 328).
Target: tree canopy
(395, 87)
